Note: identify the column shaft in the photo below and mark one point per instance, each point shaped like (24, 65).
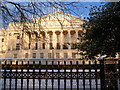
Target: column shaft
(69, 38)
(61, 39)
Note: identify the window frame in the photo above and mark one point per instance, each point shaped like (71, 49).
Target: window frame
(33, 55)
(43, 45)
(17, 46)
(41, 55)
(57, 55)
(58, 46)
(18, 37)
(2, 39)
(73, 55)
(49, 55)
(15, 55)
(26, 55)
(65, 55)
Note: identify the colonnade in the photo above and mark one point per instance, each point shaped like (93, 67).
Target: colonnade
(65, 37)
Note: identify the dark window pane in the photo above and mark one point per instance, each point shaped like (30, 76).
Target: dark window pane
(43, 45)
(65, 55)
(17, 46)
(36, 46)
(15, 55)
(58, 46)
(34, 55)
(2, 39)
(26, 55)
(41, 55)
(65, 46)
(51, 46)
(18, 37)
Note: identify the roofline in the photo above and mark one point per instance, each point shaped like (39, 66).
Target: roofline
(59, 12)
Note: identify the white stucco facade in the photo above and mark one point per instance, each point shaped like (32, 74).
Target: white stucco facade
(47, 37)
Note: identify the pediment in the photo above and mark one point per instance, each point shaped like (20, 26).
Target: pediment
(59, 16)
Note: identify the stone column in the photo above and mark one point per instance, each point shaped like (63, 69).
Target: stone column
(46, 40)
(77, 36)
(38, 44)
(61, 39)
(69, 39)
(54, 39)
(12, 46)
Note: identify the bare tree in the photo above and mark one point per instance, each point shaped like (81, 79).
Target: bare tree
(26, 12)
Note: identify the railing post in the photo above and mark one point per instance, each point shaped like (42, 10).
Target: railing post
(22, 76)
(33, 75)
(119, 73)
(59, 73)
(0, 74)
(96, 78)
(28, 76)
(46, 79)
(39, 75)
(5, 66)
(112, 74)
(16, 65)
(90, 75)
(77, 68)
(52, 75)
(71, 74)
(83, 74)
(10, 74)
(64, 75)
(102, 74)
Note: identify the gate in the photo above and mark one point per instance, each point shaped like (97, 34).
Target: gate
(67, 75)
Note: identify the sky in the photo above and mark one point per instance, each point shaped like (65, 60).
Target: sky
(84, 8)
(79, 9)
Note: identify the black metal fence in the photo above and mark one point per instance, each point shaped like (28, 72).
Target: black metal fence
(71, 75)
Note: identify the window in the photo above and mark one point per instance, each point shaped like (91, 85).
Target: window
(57, 55)
(41, 55)
(15, 55)
(8, 49)
(43, 45)
(26, 55)
(17, 46)
(2, 39)
(49, 55)
(18, 37)
(34, 55)
(73, 55)
(73, 46)
(65, 55)
(29, 45)
(58, 46)
(36, 46)
(65, 46)
(50, 46)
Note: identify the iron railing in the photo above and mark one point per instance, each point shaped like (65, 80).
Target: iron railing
(71, 75)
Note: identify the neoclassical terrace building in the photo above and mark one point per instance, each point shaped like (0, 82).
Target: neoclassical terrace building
(48, 37)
